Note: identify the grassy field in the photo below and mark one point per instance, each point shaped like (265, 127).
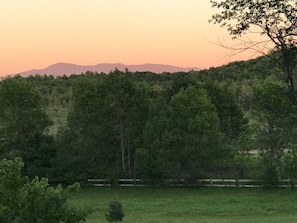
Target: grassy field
(181, 205)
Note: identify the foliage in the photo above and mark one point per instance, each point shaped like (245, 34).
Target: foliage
(23, 201)
(115, 212)
(23, 122)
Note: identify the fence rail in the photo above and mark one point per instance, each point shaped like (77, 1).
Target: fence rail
(244, 183)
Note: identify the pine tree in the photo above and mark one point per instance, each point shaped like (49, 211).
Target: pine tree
(115, 212)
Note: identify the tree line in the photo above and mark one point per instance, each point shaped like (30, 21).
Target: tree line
(152, 126)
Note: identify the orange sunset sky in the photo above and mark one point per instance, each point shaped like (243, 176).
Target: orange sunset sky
(38, 33)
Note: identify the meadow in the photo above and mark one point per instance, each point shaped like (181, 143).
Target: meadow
(182, 205)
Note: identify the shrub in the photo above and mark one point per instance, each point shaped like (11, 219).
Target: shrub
(115, 212)
(25, 201)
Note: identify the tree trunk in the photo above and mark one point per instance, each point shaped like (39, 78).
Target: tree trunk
(129, 154)
(122, 146)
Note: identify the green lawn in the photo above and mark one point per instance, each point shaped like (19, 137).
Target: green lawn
(181, 205)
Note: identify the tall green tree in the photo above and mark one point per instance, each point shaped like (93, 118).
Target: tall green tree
(182, 138)
(193, 137)
(23, 123)
(275, 19)
(273, 124)
(127, 103)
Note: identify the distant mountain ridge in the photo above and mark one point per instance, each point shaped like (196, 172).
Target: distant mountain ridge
(60, 69)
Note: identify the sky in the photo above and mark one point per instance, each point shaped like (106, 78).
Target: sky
(39, 33)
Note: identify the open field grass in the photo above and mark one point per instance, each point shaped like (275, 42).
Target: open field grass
(181, 205)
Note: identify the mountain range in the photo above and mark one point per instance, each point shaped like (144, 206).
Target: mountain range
(60, 69)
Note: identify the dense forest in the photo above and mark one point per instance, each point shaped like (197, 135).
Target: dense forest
(230, 121)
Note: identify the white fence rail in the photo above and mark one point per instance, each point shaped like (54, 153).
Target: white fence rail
(244, 183)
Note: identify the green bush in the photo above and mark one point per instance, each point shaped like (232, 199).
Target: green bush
(25, 201)
(115, 212)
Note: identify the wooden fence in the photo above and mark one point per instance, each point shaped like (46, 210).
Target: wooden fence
(243, 183)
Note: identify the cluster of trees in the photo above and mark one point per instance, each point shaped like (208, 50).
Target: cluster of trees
(123, 124)
(118, 127)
